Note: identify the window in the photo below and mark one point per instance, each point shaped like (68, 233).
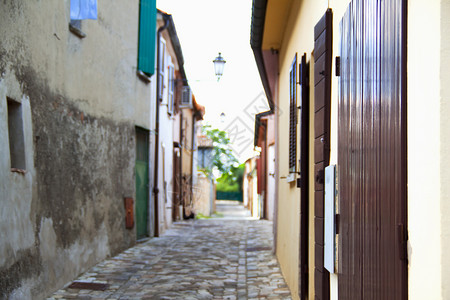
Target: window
(16, 137)
(147, 36)
(293, 116)
(162, 64)
(171, 89)
(83, 9)
(80, 10)
(186, 97)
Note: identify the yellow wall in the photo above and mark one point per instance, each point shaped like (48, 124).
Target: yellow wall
(298, 38)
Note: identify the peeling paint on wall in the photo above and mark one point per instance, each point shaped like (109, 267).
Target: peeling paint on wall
(80, 104)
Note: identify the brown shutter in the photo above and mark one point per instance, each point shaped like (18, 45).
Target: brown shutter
(322, 105)
(293, 116)
(372, 151)
(303, 184)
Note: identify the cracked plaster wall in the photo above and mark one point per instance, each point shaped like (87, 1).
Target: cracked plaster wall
(81, 100)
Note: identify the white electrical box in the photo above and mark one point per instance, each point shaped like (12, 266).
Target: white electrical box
(330, 212)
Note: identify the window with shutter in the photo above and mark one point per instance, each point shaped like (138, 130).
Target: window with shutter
(147, 36)
(162, 67)
(171, 89)
(186, 97)
(293, 116)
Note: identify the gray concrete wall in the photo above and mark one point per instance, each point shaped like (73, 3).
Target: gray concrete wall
(81, 100)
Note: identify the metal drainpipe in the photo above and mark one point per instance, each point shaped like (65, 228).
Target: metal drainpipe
(155, 177)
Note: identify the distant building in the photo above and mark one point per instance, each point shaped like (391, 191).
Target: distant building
(265, 141)
(205, 189)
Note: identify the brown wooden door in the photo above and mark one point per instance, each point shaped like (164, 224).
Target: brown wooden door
(303, 106)
(176, 194)
(322, 108)
(372, 151)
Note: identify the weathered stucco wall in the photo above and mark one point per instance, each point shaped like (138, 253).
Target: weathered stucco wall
(81, 101)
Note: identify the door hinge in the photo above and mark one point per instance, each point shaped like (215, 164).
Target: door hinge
(337, 219)
(338, 66)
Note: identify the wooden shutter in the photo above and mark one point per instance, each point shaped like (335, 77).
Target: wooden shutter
(162, 67)
(293, 116)
(372, 151)
(322, 107)
(147, 36)
(304, 178)
(171, 89)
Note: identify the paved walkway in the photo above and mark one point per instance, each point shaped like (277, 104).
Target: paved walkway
(232, 210)
(220, 258)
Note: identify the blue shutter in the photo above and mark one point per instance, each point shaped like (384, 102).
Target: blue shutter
(147, 36)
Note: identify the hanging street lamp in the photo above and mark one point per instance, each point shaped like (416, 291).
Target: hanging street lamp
(219, 64)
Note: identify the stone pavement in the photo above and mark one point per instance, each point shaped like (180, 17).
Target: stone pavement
(220, 258)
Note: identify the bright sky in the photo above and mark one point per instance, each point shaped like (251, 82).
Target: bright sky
(205, 28)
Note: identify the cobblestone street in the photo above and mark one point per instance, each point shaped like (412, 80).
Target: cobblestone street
(220, 258)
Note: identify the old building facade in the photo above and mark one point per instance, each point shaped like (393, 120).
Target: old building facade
(81, 99)
(351, 76)
(69, 109)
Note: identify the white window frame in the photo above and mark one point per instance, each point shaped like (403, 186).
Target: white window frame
(162, 67)
(171, 88)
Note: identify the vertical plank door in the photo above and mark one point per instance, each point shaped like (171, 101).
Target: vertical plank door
(372, 151)
(322, 114)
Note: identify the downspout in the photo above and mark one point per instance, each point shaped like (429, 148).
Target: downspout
(155, 177)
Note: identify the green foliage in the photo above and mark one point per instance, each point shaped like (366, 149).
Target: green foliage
(224, 161)
(223, 158)
(231, 181)
(227, 187)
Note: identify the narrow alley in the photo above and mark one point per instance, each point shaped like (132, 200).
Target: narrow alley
(226, 257)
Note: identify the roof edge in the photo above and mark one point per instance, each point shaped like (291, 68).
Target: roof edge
(259, 8)
(175, 43)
